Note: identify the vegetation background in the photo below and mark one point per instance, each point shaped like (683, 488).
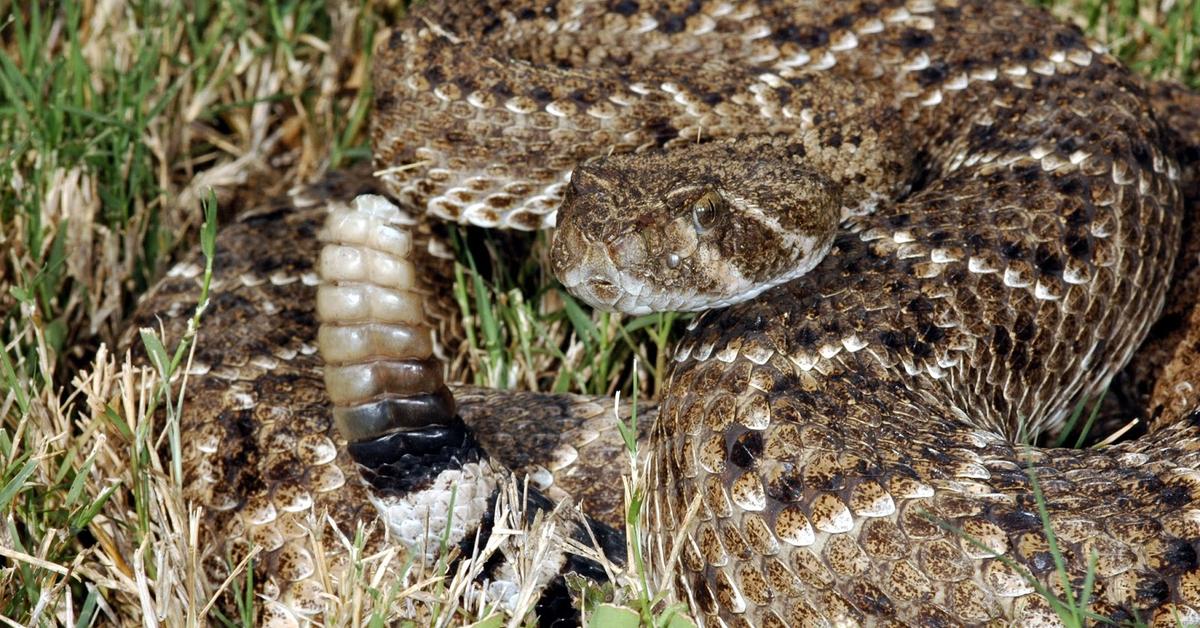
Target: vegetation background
(117, 118)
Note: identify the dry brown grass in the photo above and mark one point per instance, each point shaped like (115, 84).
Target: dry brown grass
(118, 117)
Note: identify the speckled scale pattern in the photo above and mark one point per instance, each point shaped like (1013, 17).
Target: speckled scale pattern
(496, 148)
(1161, 379)
(809, 501)
(814, 507)
(261, 454)
(824, 423)
(1021, 275)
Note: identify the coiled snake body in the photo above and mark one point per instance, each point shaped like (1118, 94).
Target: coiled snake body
(845, 434)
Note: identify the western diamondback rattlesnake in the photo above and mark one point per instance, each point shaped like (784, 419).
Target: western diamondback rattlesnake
(1011, 211)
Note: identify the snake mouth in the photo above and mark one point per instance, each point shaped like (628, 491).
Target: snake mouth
(590, 282)
(609, 292)
(601, 290)
(587, 270)
(584, 269)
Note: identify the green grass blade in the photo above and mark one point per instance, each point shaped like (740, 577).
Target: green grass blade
(16, 483)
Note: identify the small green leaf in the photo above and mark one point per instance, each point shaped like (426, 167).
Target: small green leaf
(679, 620)
(87, 614)
(56, 335)
(208, 230)
(8, 374)
(21, 294)
(118, 422)
(80, 481)
(85, 516)
(158, 353)
(495, 620)
(610, 616)
(642, 322)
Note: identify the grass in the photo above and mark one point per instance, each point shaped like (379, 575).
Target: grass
(1158, 39)
(117, 118)
(509, 313)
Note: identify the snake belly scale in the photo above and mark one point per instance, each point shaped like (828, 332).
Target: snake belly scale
(1007, 207)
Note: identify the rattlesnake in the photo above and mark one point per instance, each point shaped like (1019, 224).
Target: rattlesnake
(1010, 208)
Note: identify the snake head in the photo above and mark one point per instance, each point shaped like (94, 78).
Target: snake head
(691, 229)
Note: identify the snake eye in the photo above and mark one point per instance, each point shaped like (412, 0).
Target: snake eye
(707, 209)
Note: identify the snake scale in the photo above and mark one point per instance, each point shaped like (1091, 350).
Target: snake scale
(926, 230)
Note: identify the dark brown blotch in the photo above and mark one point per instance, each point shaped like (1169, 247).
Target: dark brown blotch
(435, 75)
(871, 600)
(1047, 260)
(625, 7)
(1079, 246)
(1181, 556)
(747, 449)
(1175, 496)
(787, 487)
(1151, 592)
(672, 24)
(913, 39)
(932, 75)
